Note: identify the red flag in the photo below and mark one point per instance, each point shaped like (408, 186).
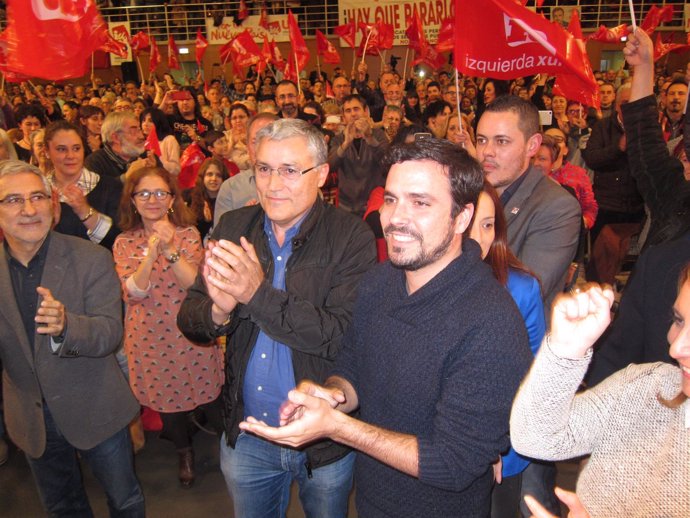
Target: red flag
(243, 11)
(376, 36)
(201, 45)
(289, 72)
(10, 76)
(656, 16)
(113, 46)
(613, 35)
(661, 48)
(523, 43)
(424, 53)
(152, 143)
(299, 47)
(52, 40)
(348, 32)
(446, 35)
(242, 50)
(325, 49)
(263, 17)
(329, 90)
(139, 42)
(574, 26)
(386, 31)
(415, 34)
(173, 60)
(154, 57)
(276, 57)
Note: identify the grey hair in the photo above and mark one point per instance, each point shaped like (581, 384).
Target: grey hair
(6, 142)
(283, 129)
(113, 123)
(15, 167)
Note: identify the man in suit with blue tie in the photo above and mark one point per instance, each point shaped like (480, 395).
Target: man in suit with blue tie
(60, 324)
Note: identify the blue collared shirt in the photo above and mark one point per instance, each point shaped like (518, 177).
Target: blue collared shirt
(270, 374)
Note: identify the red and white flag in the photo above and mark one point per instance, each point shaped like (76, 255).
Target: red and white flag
(242, 50)
(140, 42)
(154, 56)
(446, 35)
(661, 48)
(326, 49)
(348, 32)
(201, 45)
(655, 17)
(523, 43)
(613, 35)
(173, 60)
(243, 11)
(299, 47)
(50, 39)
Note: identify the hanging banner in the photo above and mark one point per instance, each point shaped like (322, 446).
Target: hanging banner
(120, 32)
(399, 13)
(277, 29)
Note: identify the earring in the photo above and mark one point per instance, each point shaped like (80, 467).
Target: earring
(171, 210)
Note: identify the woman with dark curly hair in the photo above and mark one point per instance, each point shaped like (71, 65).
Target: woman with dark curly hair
(201, 199)
(157, 257)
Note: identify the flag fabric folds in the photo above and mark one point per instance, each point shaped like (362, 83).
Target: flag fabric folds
(140, 42)
(522, 43)
(655, 17)
(299, 47)
(152, 143)
(173, 60)
(326, 49)
(661, 48)
(201, 45)
(242, 50)
(154, 56)
(612, 35)
(348, 32)
(51, 40)
(446, 35)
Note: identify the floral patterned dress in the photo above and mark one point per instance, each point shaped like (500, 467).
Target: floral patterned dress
(167, 372)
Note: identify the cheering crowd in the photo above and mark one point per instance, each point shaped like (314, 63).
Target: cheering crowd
(240, 225)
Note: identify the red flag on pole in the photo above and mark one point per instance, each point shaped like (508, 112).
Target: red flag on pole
(376, 37)
(52, 40)
(173, 60)
(326, 49)
(243, 11)
(140, 42)
(299, 47)
(263, 17)
(329, 90)
(113, 46)
(242, 50)
(424, 53)
(523, 43)
(348, 32)
(154, 57)
(655, 17)
(276, 57)
(200, 46)
(613, 35)
(574, 26)
(152, 143)
(446, 35)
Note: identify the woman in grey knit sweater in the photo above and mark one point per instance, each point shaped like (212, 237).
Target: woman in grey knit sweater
(635, 425)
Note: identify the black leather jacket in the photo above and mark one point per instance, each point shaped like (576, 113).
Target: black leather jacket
(329, 256)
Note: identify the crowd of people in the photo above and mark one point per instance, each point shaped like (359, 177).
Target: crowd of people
(238, 227)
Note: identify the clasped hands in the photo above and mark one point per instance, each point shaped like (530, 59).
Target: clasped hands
(309, 414)
(232, 273)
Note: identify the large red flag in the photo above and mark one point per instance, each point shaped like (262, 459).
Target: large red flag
(154, 57)
(376, 36)
(263, 17)
(446, 35)
(613, 35)
(299, 47)
(201, 46)
(574, 26)
(523, 43)
(656, 16)
(326, 49)
(348, 32)
(242, 50)
(173, 60)
(152, 143)
(52, 40)
(276, 57)
(139, 42)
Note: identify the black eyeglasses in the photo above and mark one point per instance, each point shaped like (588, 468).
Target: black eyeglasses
(145, 195)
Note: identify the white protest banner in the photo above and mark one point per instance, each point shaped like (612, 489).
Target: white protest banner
(277, 29)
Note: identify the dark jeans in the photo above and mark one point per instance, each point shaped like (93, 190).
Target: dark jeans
(539, 480)
(58, 476)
